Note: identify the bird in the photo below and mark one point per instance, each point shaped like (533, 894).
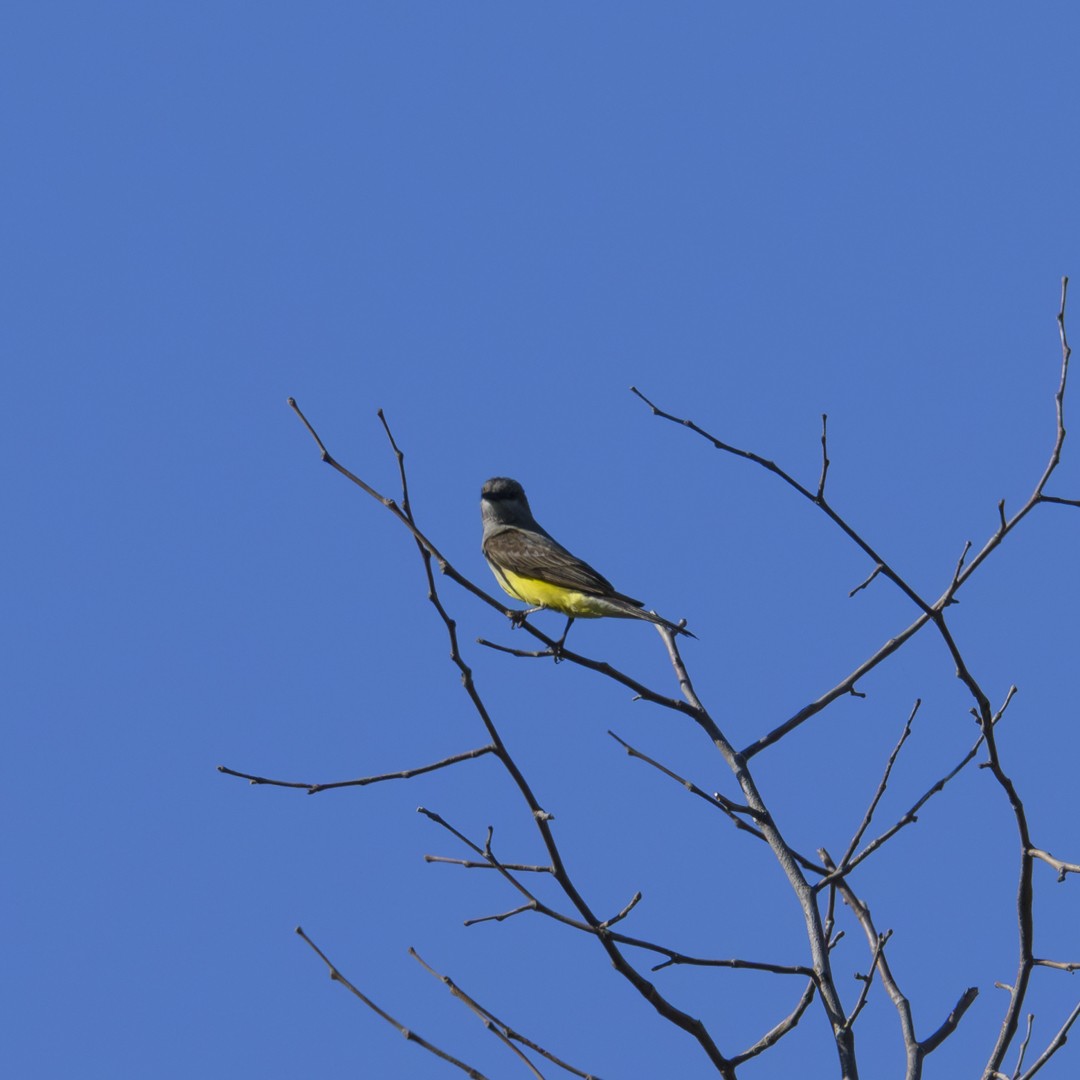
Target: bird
(531, 566)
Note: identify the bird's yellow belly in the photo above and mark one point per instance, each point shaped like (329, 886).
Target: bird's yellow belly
(538, 593)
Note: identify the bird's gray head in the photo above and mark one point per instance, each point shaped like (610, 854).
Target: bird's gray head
(503, 502)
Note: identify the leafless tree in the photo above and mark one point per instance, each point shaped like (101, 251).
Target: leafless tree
(818, 880)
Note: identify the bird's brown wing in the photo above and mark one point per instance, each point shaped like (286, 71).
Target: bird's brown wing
(534, 555)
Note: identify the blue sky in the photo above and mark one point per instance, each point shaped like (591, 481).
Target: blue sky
(490, 221)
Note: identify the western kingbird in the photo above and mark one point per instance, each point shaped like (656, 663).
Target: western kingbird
(533, 567)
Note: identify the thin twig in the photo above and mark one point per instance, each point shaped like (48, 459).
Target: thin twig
(498, 1027)
(469, 864)
(679, 960)
(399, 454)
(484, 852)
(495, 1029)
(842, 688)
(719, 802)
(868, 979)
(1062, 868)
(960, 564)
(866, 581)
(1056, 1044)
(445, 567)
(502, 916)
(911, 815)
(409, 1034)
(363, 781)
(1059, 965)
(774, 1035)
(915, 1050)
(965, 1001)
(600, 930)
(1024, 1045)
(640, 690)
(824, 458)
(869, 815)
(715, 800)
(817, 499)
(619, 916)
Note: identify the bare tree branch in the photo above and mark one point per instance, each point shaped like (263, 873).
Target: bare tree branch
(845, 686)
(363, 781)
(1062, 868)
(967, 998)
(541, 818)
(868, 979)
(469, 864)
(866, 581)
(1056, 1044)
(601, 930)
(502, 916)
(927, 612)
(693, 707)
(869, 815)
(499, 1028)
(1061, 965)
(620, 915)
(409, 1034)
(1024, 1045)
(915, 1050)
(677, 959)
(817, 499)
(732, 809)
(911, 816)
(824, 458)
(752, 814)
(935, 613)
(960, 565)
(774, 1035)
(719, 802)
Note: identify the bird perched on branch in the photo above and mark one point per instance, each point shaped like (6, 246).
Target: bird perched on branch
(533, 567)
